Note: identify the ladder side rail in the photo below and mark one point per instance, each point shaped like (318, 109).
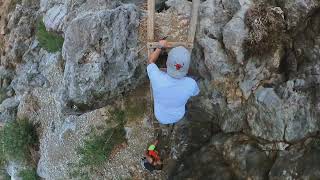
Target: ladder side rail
(194, 19)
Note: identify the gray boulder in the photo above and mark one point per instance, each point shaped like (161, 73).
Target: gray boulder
(100, 53)
(28, 75)
(226, 157)
(207, 163)
(297, 11)
(266, 120)
(8, 109)
(62, 138)
(235, 33)
(216, 59)
(243, 155)
(53, 19)
(214, 15)
(286, 117)
(298, 163)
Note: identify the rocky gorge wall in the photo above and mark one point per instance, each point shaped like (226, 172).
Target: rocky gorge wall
(258, 114)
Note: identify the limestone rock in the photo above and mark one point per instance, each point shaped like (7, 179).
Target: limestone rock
(9, 103)
(226, 157)
(180, 6)
(8, 109)
(20, 23)
(45, 5)
(235, 33)
(233, 121)
(244, 157)
(216, 59)
(260, 118)
(58, 146)
(295, 163)
(100, 54)
(14, 168)
(53, 19)
(204, 164)
(251, 79)
(297, 10)
(214, 15)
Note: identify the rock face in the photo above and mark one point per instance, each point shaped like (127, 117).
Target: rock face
(257, 117)
(267, 97)
(100, 54)
(297, 162)
(226, 157)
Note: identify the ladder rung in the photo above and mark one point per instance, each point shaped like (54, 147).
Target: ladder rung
(152, 45)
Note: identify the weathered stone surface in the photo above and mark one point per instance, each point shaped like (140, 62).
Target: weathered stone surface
(233, 121)
(59, 144)
(53, 19)
(214, 15)
(297, 163)
(300, 119)
(296, 12)
(45, 5)
(244, 156)
(100, 56)
(28, 75)
(8, 109)
(226, 157)
(209, 165)
(273, 99)
(216, 59)
(14, 168)
(9, 103)
(180, 6)
(21, 24)
(235, 33)
(252, 78)
(261, 121)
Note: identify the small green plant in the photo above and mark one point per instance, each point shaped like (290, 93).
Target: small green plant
(17, 138)
(48, 40)
(97, 149)
(119, 117)
(29, 174)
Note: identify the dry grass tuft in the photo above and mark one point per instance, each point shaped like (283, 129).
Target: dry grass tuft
(266, 29)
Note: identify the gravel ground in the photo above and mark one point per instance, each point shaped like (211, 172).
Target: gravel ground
(125, 163)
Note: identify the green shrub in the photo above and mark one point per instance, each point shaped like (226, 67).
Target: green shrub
(29, 174)
(48, 40)
(17, 138)
(266, 29)
(118, 116)
(97, 149)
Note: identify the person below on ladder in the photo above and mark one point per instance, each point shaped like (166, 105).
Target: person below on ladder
(171, 89)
